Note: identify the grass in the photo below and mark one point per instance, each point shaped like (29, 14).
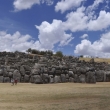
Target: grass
(66, 96)
(97, 59)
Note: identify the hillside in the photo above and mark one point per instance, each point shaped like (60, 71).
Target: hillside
(97, 59)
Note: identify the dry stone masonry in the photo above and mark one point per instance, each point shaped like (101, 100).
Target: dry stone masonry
(50, 69)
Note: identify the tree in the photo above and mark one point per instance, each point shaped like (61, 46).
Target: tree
(42, 52)
(49, 52)
(59, 54)
(29, 50)
(34, 51)
(81, 56)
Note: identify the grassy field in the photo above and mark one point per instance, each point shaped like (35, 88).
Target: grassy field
(66, 96)
(97, 59)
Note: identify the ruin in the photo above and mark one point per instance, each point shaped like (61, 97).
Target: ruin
(40, 69)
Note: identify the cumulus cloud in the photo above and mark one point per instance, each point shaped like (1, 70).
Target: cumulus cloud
(102, 22)
(51, 34)
(17, 41)
(84, 36)
(84, 18)
(65, 5)
(99, 48)
(76, 21)
(27, 4)
(79, 21)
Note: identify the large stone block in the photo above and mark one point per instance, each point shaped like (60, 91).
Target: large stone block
(36, 79)
(71, 79)
(99, 76)
(63, 78)
(45, 78)
(22, 70)
(57, 79)
(91, 78)
(51, 79)
(82, 78)
(1, 79)
(5, 73)
(1, 72)
(26, 78)
(71, 74)
(6, 79)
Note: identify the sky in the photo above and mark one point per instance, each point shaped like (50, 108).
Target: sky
(75, 27)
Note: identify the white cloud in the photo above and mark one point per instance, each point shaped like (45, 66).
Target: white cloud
(48, 2)
(27, 4)
(24, 4)
(65, 5)
(79, 21)
(17, 41)
(84, 48)
(84, 36)
(102, 22)
(94, 5)
(107, 4)
(100, 48)
(105, 38)
(51, 34)
(76, 21)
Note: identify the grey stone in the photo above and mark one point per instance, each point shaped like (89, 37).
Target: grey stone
(1, 72)
(91, 78)
(35, 71)
(22, 70)
(63, 78)
(27, 68)
(10, 74)
(26, 78)
(67, 76)
(36, 79)
(51, 79)
(5, 73)
(45, 78)
(99, 76)
(71, 79)
(6, 79)
(1, 79)
(57, 79)
(71, 74)
(27, 72)
(82, 78)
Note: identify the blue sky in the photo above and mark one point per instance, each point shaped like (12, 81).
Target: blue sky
(75, 27)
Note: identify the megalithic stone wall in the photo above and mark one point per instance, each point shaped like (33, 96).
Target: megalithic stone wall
(43, 69)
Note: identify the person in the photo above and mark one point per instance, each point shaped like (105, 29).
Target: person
(16, 81)
(12, 81)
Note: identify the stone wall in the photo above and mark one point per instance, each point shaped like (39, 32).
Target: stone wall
(41, 70)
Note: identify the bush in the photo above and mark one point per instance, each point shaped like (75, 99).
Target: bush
(59, 54)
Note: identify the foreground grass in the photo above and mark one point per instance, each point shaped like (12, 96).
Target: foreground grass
(67, 96)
